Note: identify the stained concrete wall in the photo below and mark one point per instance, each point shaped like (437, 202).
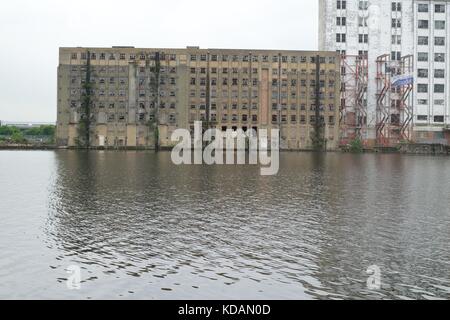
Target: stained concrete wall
(125, 110)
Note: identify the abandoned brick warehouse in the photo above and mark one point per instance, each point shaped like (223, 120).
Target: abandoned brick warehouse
(129, 97)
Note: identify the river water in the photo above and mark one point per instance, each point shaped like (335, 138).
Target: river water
(139, 227)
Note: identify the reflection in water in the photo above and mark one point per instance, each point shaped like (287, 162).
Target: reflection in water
(141, 227)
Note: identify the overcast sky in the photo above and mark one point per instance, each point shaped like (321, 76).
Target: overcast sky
(32, 31)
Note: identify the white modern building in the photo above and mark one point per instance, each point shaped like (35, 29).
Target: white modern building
(397, 28)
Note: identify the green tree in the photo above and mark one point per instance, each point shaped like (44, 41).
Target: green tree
(7, 131)
(356, 146)
(17, 137)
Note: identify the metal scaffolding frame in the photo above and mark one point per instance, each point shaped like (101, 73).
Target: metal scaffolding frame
(394, 110)
(406, 99)
(353, 109)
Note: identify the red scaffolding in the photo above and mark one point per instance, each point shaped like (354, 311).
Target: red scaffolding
(353, 109)
(394, 111)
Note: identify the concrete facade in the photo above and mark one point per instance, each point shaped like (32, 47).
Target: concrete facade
(432, 97)
(378, 27)
(236, 89)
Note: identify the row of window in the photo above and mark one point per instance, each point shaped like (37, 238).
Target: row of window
(342, 21)
(437, 119)
(246, 82)
(424, 102)
(423, 41)
(424, 73)
(425, 7)
(141, 117)
(254, 118)
(364, 38)
(396, 6)
(121, 56)
(254, 95)
(364, 5)
(438, 73)
(437, 102)
(204, 57)
(264, 58)
(423, 57)
(122, 105)
(438, 24)
(254, 106)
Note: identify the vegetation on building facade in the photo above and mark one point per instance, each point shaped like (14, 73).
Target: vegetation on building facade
(86, 103)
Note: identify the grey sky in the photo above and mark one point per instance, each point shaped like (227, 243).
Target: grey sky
(32, 31)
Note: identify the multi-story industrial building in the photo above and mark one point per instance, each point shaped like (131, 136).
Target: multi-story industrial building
(380, 40)
(138, 97)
